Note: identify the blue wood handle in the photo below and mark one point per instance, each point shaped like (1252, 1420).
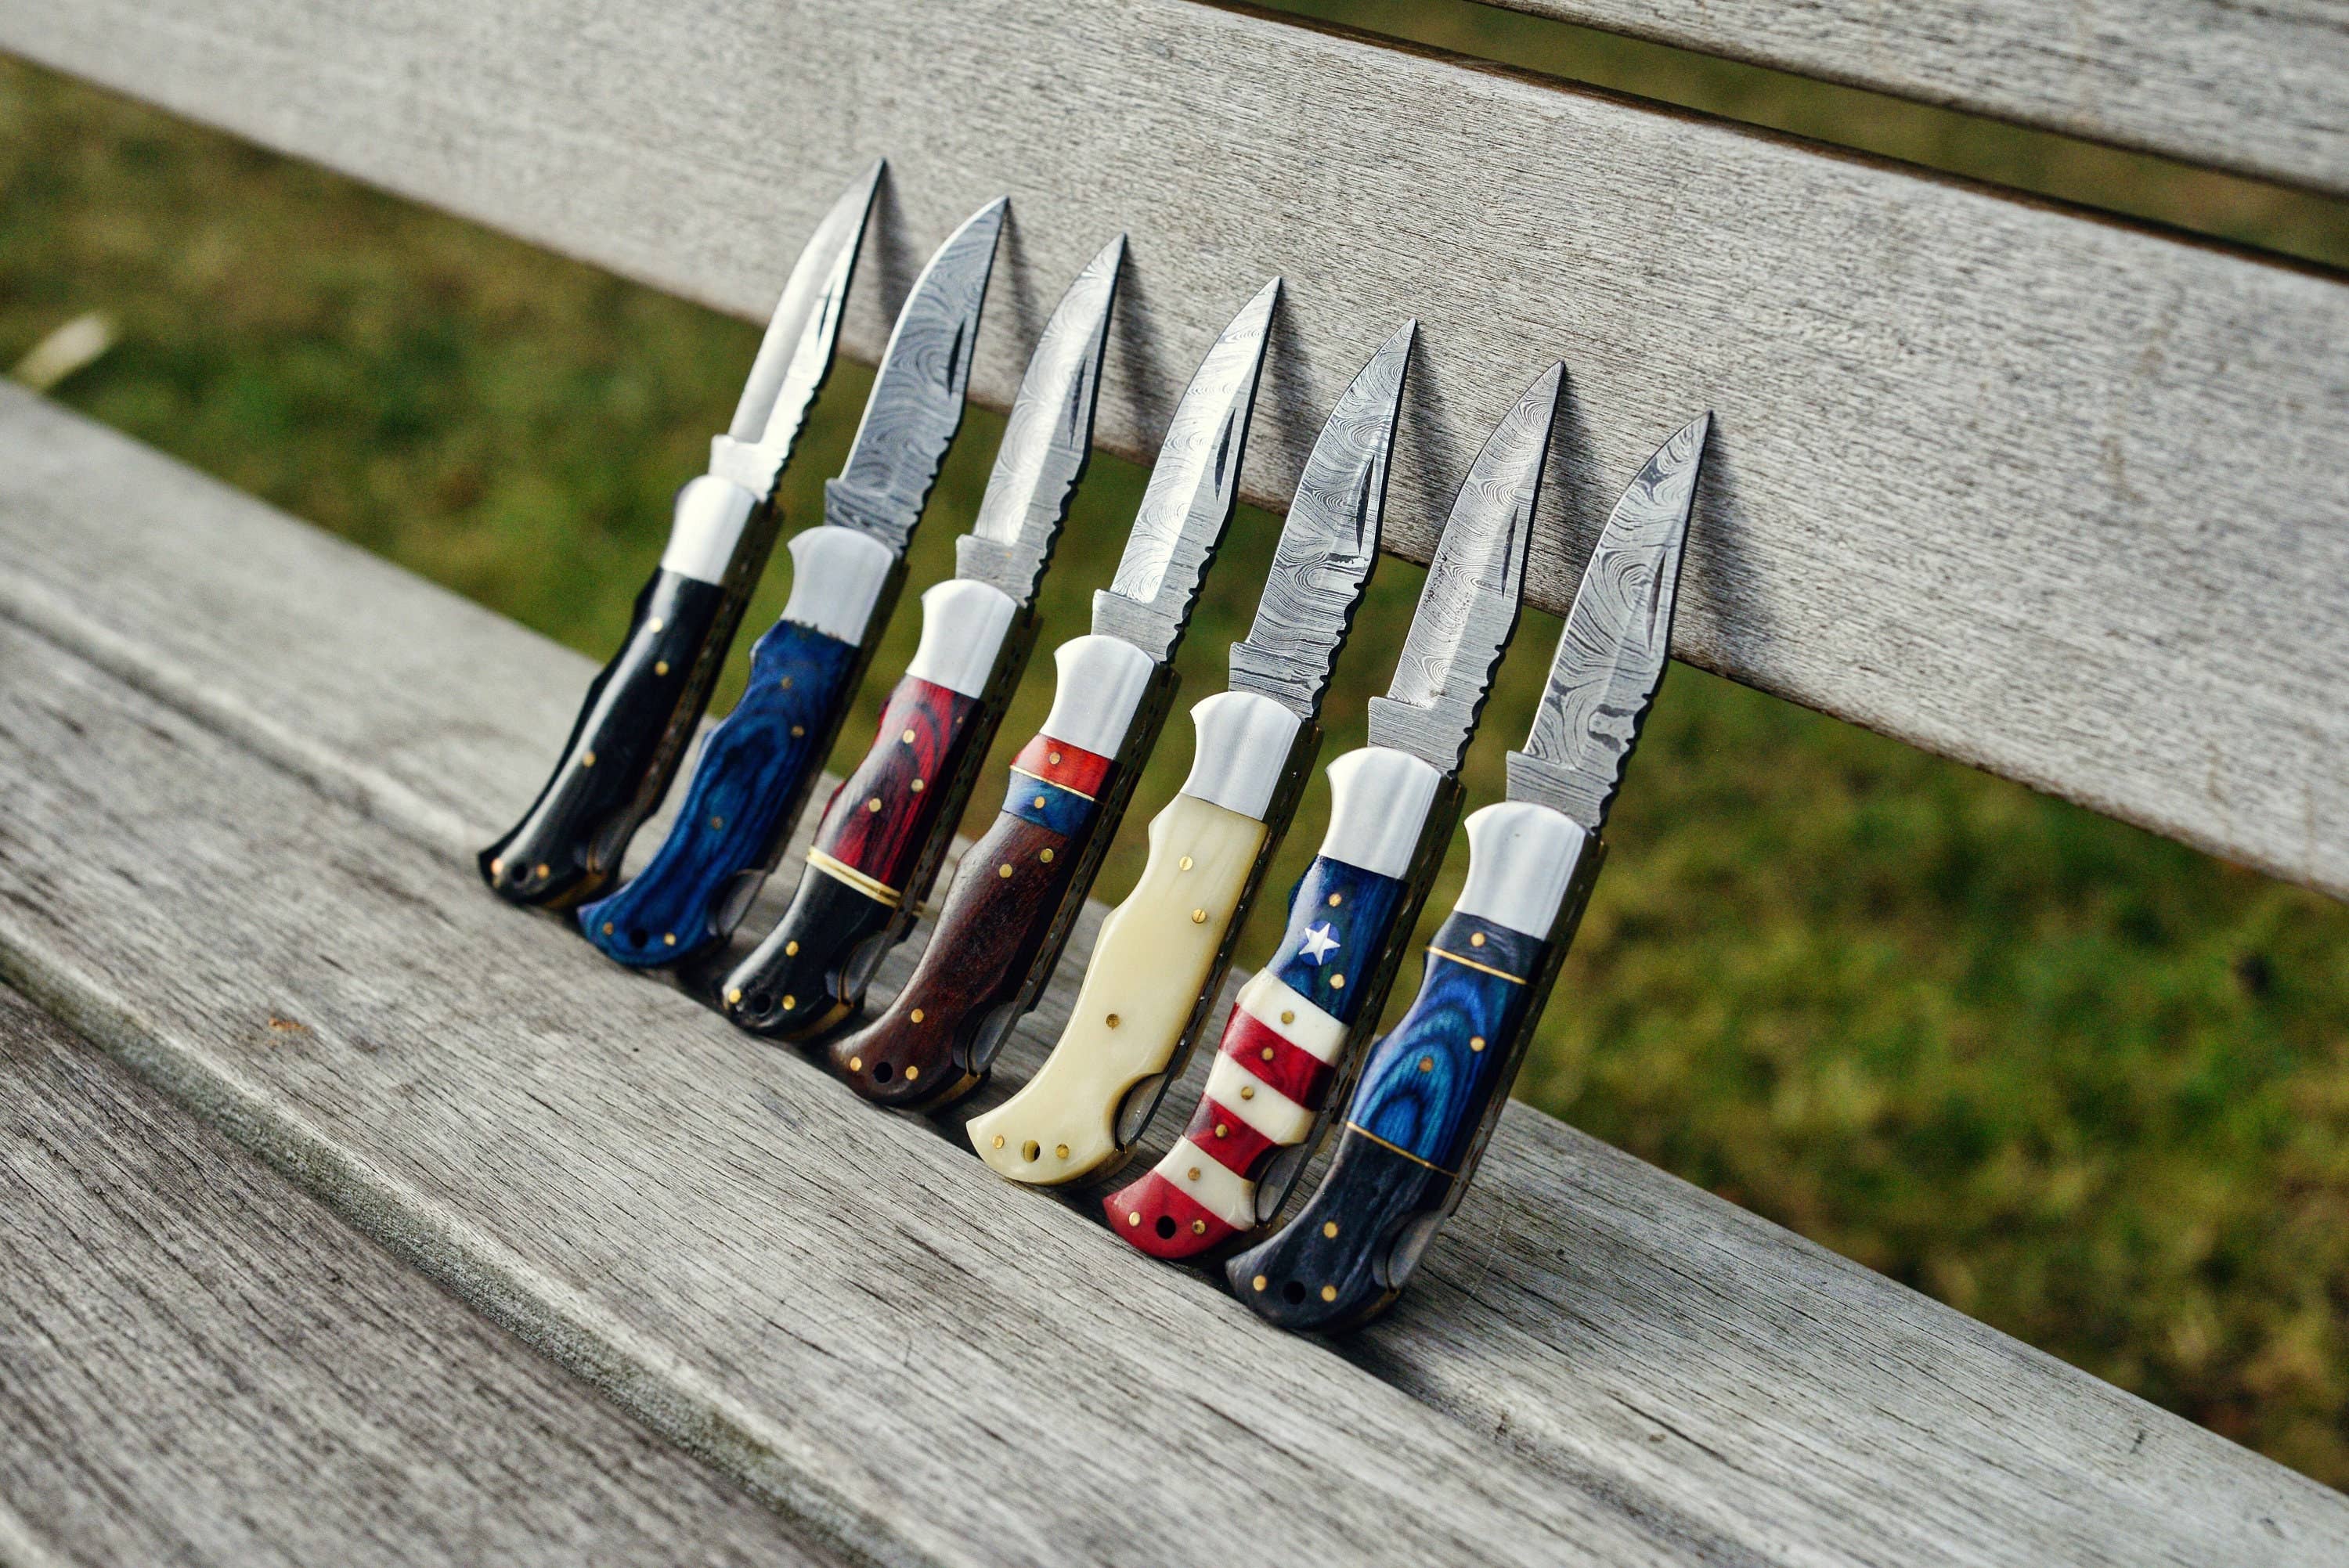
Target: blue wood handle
(747, 784)
(1415, 1119)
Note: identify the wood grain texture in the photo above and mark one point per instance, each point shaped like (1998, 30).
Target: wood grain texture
(204, 1365)
(2061, 498)
(2261, 90)
(1596, 1363)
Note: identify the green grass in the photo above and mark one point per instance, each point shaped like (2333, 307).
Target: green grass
(2074, 1080)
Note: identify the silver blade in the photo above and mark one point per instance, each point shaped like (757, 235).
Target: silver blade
(1192, 492)
(1329, 543)
(796, 353)
(1610, 657)
(918, 394)
(1468, 609)
(1047, 439)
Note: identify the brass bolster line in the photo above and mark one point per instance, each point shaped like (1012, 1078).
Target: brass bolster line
(1041, 779)
(1407, 1154)
(1436, 952)
(878, 891)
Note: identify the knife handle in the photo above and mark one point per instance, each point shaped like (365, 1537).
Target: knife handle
(756, 767)
(887, 827)
(1291, 1040)
(1159, 959)
(1433, 1086)
(1008, 912)
(641, 708)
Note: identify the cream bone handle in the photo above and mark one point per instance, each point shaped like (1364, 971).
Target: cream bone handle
(1156, 953)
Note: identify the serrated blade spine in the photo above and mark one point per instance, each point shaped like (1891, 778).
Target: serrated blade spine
(795, 353)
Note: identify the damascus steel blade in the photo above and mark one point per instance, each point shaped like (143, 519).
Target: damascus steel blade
(1611, 654)
(1469, 607)
(1329, 543)
(1192, 492)
(797, 350)
(1047, 439)
(917, 395)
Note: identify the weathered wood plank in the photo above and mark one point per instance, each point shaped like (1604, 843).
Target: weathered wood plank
(2261, 90)
(2060, 498)
(206, 1366)
(1600, 1364)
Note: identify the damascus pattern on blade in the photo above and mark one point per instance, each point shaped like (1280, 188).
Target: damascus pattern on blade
(917, 397)
(1619, 633)
(1469, 607)
(1192, 491)
(1047, 439)
(1329, 542)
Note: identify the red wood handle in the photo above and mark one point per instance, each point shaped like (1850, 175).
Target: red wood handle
(883, 815)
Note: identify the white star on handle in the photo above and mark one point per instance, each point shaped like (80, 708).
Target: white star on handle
(1320, 941)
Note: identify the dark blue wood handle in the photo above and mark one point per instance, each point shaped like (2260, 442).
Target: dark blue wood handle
(1415, 1119)
(749, 783)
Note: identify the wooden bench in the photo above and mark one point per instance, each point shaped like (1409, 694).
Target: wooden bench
(2059, 496)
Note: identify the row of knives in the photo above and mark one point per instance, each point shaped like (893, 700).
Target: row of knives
(1418, 1103)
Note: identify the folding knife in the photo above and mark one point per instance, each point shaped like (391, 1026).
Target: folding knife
(1015, 894)
(756, 767)
(1159, 959)
(1293, 1036)
(888, 826)
(632, 730)
(1434, 1086)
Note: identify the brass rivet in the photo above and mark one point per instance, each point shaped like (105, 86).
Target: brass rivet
(798, 730)
(787, 683)
(1267, 1053)
(1004, 871)
(1328, 1293)
(1333, 900)
(1198, 1227)
(1259, 1282)
(1198, 917)
(873, 804)
(1185, 864)
(790, 1003)
(1477, 940)
(998, 1141)
(790, 950)
(1223, 1129)
(1133, 1217)
(1060, 1151)
(734, 995)
(907, 738)
(1329, 1229)
(1288, 1014)
(912, 1073)
(660, 667)
(1040, 802)
(656, 624)
(917, 786)
(587, 759)
(1337, 982)
(1028, 1150)
(497, 867)
(716, 823)
(1247, 1091)
(1195, 1172)
(607, 928)
(1475, 1042)
(1045, 856)
(545, 871)
(917, 1015)
(1427, 1064)
(856, 1063)
(669, 939)
(1112, 1020)
(1053, 758)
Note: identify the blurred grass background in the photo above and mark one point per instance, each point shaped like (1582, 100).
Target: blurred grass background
(2079, 1081)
